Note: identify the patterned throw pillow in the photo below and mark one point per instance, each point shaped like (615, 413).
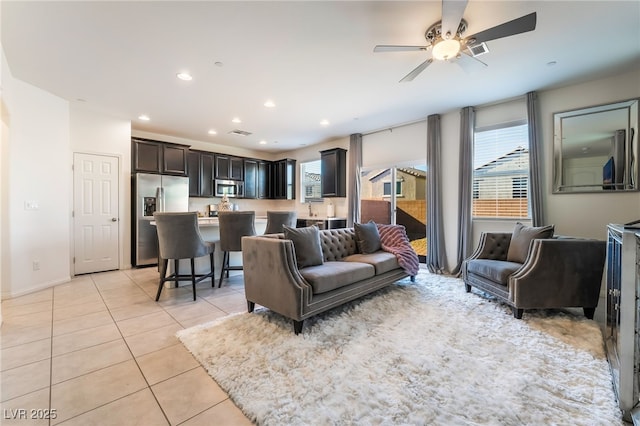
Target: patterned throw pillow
(367, 237)
(521, 239)
(306, 244)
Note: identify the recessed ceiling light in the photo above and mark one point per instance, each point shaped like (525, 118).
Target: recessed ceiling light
(269, 104)
(212, 132)
(324, 123)
(263, 142)
(551, 63)
(236, 120)
(218, 64)
(184, 76)
(144, 117)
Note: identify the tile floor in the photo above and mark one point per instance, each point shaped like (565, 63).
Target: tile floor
(100, 351)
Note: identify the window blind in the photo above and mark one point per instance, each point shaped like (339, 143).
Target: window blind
(501, 171)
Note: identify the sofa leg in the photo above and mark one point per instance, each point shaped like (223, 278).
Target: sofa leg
(413, 278)
(297, 326)
(467, 287)
(250, 306)
(589, 312)
(517, 313)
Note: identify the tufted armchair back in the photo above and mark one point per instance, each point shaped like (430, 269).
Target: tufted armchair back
(337, 243)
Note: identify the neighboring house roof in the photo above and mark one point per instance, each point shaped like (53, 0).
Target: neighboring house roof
(490, 167)
(312, 176)
(406, 170)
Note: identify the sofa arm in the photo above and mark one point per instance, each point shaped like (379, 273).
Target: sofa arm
(492, 246)
(559, 273)
(271, 276)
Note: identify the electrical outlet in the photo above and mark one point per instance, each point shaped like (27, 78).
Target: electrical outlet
(31, 205)
(36, 265)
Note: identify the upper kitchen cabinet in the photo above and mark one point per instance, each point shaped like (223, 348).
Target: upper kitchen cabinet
(284, 179)
(159, 157)
(256, 179)
(200, 172)
(333, 163)
(229, 167)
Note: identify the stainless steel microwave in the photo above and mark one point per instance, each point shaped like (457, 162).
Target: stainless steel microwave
(230, 188)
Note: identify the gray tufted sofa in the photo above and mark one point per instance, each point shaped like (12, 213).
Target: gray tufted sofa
(558, 272)
(272, 278)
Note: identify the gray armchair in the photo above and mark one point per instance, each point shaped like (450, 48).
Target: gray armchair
(557, 272)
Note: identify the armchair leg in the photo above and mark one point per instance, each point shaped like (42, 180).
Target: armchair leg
(297, 326)
(589, 312)
(467, 288)
(251, 306)
(517, 313)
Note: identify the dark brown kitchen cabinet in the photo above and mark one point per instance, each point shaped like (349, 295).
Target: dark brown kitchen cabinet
(333, 166)
(200, 172)
(151, 156)
(256, 179)
(229, 167)
(284, 179)
(264, 179)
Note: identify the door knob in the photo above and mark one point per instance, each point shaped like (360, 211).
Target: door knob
(114, 219)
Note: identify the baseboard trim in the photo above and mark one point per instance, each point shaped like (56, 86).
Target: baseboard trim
(39, 287)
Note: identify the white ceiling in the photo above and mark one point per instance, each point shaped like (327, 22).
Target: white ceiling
(315, 60)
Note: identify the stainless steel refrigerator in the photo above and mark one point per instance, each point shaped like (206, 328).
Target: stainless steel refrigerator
(155, 193)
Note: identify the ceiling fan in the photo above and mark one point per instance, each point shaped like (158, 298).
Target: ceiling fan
(445, 40)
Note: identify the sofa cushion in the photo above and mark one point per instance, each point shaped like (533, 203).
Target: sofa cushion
(335, 274)
(521, 239)
(495, 270)
(382, 261)
(306, 244)
(367, 237)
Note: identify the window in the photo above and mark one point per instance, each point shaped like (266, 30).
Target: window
(310, 189)
(501, 171)
(386, 190)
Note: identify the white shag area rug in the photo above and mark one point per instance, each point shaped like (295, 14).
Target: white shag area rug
(423, 353)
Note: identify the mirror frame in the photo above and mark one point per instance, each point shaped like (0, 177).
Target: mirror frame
(630, 148)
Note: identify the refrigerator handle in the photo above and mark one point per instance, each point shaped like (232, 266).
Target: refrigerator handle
(160, 198)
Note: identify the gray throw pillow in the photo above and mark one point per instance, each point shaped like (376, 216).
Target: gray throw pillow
(367, 237)
(306, 244)
(521, 239)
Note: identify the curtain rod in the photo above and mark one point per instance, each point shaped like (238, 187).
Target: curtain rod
(409, 123)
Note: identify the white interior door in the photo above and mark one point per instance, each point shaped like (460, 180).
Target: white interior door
(95, 205)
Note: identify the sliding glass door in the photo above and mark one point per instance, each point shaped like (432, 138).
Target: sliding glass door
(397, 195)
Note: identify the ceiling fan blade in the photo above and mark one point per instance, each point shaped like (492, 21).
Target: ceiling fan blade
(452, 11)
(396, 48)
(469, 64)
(517, 26)
(417, 70)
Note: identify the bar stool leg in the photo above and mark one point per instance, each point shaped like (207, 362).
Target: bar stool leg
(213, 278)
(163, 273)
(225, 260)
(193, 278)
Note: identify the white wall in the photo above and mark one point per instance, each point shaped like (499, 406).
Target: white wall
(586, 214)
(38, 173)
(93, 132)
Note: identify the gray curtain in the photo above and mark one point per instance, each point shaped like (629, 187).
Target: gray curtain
(465, 188)
(355, 170)
(436, 255)
(535, 161)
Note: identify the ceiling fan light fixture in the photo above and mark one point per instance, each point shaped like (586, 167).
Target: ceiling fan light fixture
(446, 49)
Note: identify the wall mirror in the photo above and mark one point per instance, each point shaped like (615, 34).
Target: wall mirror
(596, 149)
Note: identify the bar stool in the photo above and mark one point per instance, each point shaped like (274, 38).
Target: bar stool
(179, 238)
(276, 219)
(233, 226)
